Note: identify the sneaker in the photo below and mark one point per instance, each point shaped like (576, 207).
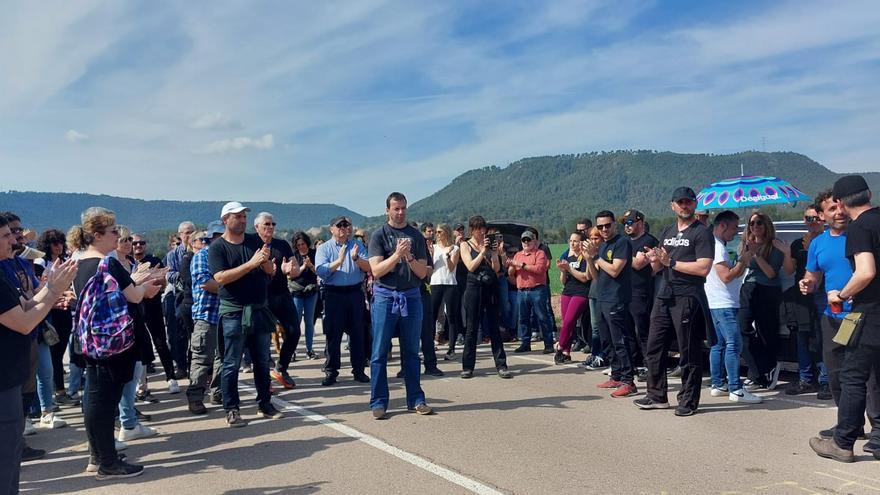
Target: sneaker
(29, 427)
(610, 384)
(674, 372)
(423, 409)
(247, 368)
(467, 374)
(800, 387)
(548, 349)
(641, 374)
(607, 371)
(829, 433)
(744, 396)
(595, 363)
(65, 399)
(717, 391)
(361, 377)
(459, 340)
(450, 356)
(625, 390)
(828, 448)
(559, 358)
(684, 411)
(141, 416)
(578, 346)
(433, 371)
(773, 377)
(217, 399)
(234, 419)
(146, 397)
(50, 422)
(93, 465)
(504, 373)
(197, 407)
(283, 379)
(329, 379)
(872, 447)
(535, 337)
(824, 392)
(173, 387)
(270, 412)
(523, 348)
(649, 403)
(752, 385)
(139, 431)
(29, 453)
(119, 470)
(180, 374)
(379, 413)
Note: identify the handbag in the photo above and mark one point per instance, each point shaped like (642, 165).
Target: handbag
(850, 329)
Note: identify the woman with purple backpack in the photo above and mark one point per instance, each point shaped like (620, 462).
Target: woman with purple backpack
(106, 376)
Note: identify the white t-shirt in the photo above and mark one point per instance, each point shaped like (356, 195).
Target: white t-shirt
(442, 275)
(719, 294)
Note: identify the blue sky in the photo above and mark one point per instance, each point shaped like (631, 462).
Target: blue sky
(343, 102)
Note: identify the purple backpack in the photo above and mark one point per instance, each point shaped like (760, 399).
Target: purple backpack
(102, 324)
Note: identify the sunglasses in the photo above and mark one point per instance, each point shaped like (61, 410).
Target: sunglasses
(630, 222)
(125, 239)
(17, 230)
(756, 223)
(343, 225)
(604, 226)
(360, 237)
(138, 243)
(811, 219)
(269, 224)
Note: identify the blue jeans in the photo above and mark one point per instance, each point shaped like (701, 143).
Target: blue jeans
(513, 317)
(534, 302)
(127, 414)
(235, 343)
(45, 387)
(305, 310)
(724, 355)
(504, 309)
(597, 346)
(805, 361)
(384, 326)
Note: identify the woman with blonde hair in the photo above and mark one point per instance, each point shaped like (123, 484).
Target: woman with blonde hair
(96, 238)
(760, 298)
(444, 287)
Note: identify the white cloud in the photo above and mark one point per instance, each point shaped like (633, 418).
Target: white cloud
(73, 136)
(239, 143)
(215, 121)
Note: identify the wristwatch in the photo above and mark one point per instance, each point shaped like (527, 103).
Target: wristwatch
(671, 263)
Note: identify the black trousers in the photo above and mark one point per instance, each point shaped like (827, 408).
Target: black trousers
(859, 364)
(102, 394)
(477, 300)
(640, 312)
(155, 322)
(63, 322)
(447, 296)
(833, 355)
(675, 317)
(344, 312)
(759, 304)
(429, 354)
(284, 310)
(11, 425)
(614, 328)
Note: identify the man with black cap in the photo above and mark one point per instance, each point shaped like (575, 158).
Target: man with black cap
(684, 260)
(241, 264)
(862, 354)
(642, 282)
(341, 264)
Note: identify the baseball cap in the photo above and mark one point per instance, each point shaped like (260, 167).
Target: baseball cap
(633, 214)
(849, 185)
(215, 227)
(340, 218)
(684, 193)
(233, 207)
(528, 234)
(703, 212)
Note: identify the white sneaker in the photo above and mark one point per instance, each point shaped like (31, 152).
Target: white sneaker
(139, 431)
(120, 446)
(29, 427)
(744, 396)
(173, 387)
(607, 371)
(50, 422)
(773, 377)
(718, 391)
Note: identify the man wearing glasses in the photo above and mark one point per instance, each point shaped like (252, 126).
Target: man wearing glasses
(153, 315)
(176, 337)
(341, 264)
(684, 260)
(642, 283)
(529, 267)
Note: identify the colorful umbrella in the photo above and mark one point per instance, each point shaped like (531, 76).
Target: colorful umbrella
(747, 191)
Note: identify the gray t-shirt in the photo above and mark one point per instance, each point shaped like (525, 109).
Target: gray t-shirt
(383, 243)
(758, 276)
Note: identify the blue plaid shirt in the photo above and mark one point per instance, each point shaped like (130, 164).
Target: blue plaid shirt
(206, 306)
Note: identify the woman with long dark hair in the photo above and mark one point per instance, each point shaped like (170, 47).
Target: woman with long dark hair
(760, 298)
(481, 257)
(575, 273)
(97, 237)
(304, 289)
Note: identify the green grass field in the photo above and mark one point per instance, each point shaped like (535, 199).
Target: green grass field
(555, 286)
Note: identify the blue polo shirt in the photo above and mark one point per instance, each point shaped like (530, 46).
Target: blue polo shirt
(348, 273)
(826, 255)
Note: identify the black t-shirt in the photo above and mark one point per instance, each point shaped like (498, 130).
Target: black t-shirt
(121, 365)
(694, 242)
(14, 347)
(799, 255)
(863, 236)
(306, 277)
(643, 280)
(153, 304)
(249, 289)
(383, 243)
(610, 289)
(573, 286)
(279, 250)
(484, 269)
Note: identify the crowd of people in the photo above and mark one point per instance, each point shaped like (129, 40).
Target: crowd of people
(211, 307)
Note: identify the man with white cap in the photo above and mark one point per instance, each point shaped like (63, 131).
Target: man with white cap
(241, 264)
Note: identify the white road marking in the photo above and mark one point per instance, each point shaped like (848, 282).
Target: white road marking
(451, 476)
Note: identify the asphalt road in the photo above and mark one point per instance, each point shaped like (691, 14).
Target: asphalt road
(548, 430)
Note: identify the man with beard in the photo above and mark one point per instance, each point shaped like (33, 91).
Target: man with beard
(642, 283)
(684, 260)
